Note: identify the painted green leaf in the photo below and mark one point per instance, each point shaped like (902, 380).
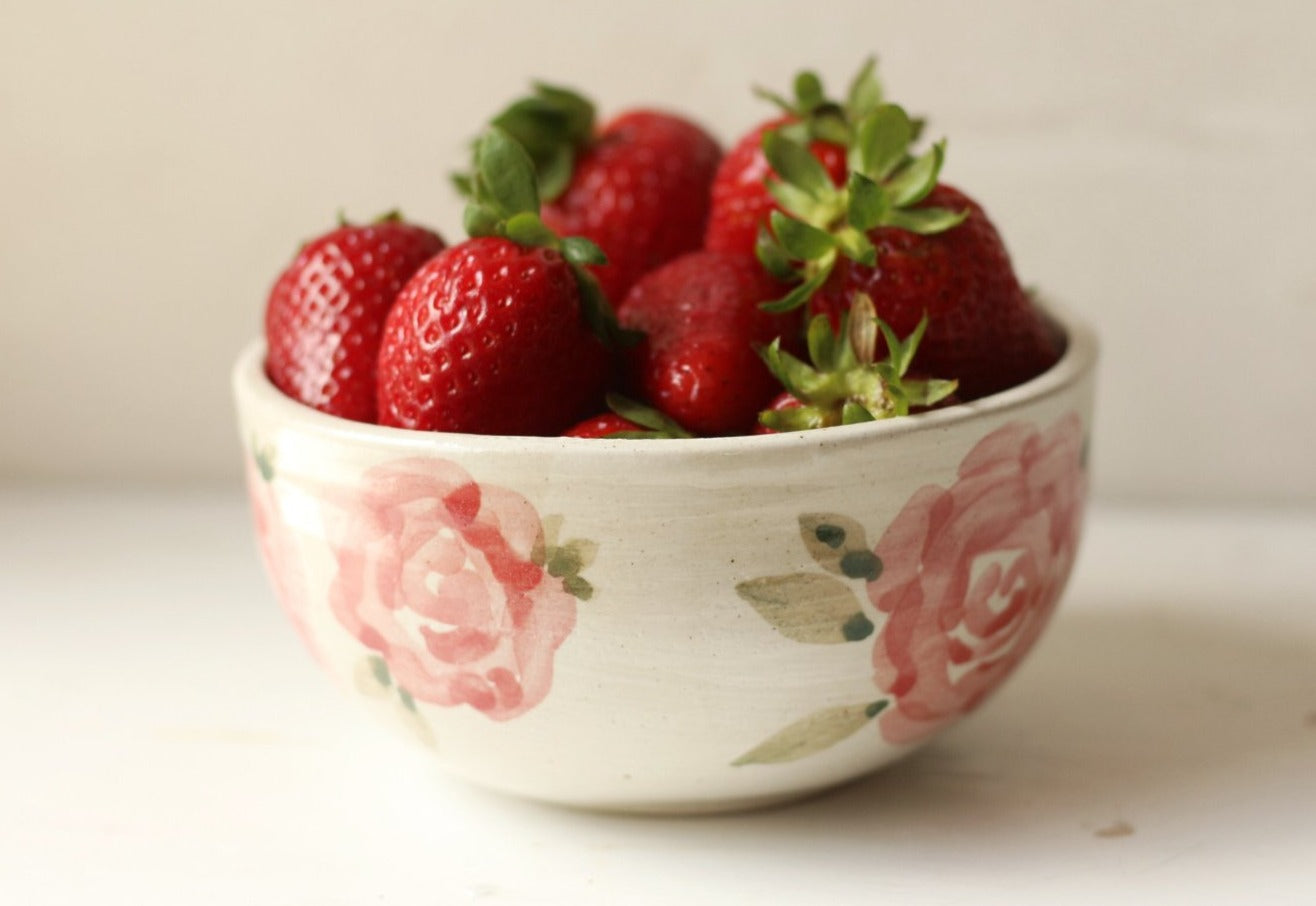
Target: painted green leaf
(371, 677)
(407, 700)
(839, 545)
(264, 458)
(820, 730)
(808, 607)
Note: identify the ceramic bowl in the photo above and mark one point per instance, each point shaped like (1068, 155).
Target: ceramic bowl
(674, 625)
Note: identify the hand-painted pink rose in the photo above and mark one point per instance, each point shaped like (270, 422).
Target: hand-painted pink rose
(971, 574)
(439, 575)
(279, 553)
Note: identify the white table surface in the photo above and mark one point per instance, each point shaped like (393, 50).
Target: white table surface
(167, 742)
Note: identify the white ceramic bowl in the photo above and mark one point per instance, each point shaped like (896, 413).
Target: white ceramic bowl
(674, 625)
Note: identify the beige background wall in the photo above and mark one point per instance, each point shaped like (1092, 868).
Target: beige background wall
(1151, 163)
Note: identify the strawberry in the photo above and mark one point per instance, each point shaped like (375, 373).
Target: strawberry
(741, 201)
(984, 329)
(326, 312)
(846, 384)
(702, 317)
(627, 419)
(638, 187)
(506, 332)
(914, 245)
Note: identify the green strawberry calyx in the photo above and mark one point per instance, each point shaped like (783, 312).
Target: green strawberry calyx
(553, 124)
(845, 384)
(816, 117)
(651, 423)
(819, 221)
(505, 202)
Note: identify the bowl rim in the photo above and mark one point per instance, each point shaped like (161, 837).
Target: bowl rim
(253, 390)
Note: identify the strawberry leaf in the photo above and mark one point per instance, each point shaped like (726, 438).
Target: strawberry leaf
(772, 256)
(912, 183)
(882, 140)
(796, 418)
(800, 294)
(478, 220)
(527, 229)
(801, 241)
(598, 313)
(929, 393)
(808, 92)
(821, 342)
(795, 200)
(865, 94)
(658, 424)
(579, 250)
(830, 125)
(795, 163)
(868, 205)
(853, 413)
(856, 246)
(773, 97)
(927, 221)
(506, 174)
(552, 125)
(555, 169)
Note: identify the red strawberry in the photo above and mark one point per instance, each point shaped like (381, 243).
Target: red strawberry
(638, 187)
(742, 202)
(984, 329)
(847, 384)
(703, 319)
(326, 312)
(915, 246)
(606, 424)
(627, 419)
(503, 333)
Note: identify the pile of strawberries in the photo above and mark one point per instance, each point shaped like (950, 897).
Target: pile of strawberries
(817, 274)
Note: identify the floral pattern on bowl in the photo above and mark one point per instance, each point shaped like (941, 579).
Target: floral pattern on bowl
(960, 585)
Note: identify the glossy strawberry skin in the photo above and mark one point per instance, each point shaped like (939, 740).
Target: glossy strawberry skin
(640, 191)
(702, 319)
(488, 338)
(984, 330)
(740, 199)
(604, 425)
(326, 311)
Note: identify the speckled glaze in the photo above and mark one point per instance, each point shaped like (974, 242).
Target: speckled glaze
(674, 625)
